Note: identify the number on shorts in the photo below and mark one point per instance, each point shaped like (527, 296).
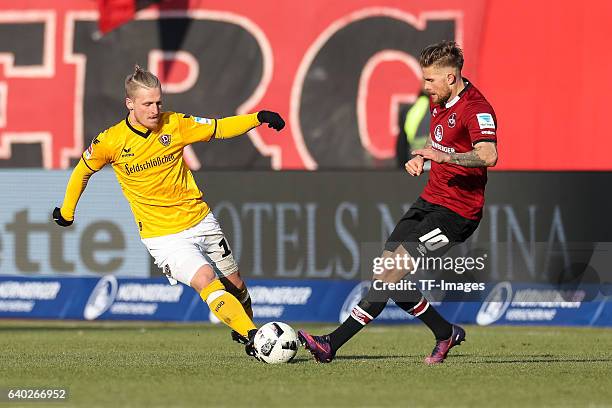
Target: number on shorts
(226, 250)
(434, 239)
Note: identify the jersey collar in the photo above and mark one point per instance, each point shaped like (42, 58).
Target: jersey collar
(453, 101)
(133, 129)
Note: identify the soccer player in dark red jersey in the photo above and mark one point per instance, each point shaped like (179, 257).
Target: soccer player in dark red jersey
(462, 144)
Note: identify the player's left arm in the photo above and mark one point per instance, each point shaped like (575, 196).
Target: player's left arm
(482, 128)
(483, 155)
(194, 129)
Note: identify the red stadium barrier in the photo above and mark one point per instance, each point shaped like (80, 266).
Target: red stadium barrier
(339, 72)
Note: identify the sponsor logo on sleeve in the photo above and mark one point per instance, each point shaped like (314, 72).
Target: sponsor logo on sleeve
(88, 152)
(203, 121)
(485, 120)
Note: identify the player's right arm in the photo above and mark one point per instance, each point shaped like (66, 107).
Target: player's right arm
(414, 166)
(92, 160)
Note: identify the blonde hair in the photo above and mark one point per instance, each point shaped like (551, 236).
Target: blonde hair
(140, 78)
(443, 54)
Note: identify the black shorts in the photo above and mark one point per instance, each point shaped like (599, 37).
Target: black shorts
(430, 230)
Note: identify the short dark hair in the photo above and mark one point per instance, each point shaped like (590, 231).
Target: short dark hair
(443, 54)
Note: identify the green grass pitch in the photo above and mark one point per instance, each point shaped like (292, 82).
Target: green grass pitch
(175, 365)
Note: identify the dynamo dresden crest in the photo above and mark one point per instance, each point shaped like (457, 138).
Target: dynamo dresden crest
(165, 140)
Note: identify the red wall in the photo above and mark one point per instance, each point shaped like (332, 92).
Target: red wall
(543, 65)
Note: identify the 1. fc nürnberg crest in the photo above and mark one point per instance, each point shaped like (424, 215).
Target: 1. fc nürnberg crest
(452, 120)
(165, 140)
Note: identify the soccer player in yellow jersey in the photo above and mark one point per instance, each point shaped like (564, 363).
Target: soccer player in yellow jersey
(176, 225)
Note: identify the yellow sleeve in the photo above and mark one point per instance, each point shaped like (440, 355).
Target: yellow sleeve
(99, 153)
(196, 129)
(93, 159)
(76, 185)
(236, 125)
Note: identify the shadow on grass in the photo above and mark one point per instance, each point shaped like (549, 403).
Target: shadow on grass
(537, 360)
(301, 359)
(497, 359)
(372, 357)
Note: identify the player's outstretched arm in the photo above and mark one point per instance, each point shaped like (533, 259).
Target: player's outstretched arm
(484, 154)
(237, 125)
(196, 129)
(273, 119)
(64, 216)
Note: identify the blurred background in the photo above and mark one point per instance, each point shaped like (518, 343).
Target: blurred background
(303, 207)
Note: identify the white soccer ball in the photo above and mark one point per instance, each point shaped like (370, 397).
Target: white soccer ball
(276, 342)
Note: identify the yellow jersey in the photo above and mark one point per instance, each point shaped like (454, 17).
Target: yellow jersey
(149, 166)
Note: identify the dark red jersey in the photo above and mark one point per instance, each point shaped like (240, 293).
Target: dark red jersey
(456, 127)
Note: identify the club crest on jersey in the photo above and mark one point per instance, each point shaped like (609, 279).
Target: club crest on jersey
(165, 140)
(434, 112)
(439, 133)
(452, 120)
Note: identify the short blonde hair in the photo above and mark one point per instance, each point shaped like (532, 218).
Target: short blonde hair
(140, 78)
(442, 54)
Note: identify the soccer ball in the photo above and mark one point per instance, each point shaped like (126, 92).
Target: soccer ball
(276, 342)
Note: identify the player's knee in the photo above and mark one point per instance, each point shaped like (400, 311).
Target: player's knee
(233, 282)
(235, 285)
(395, 274)
(202, 278)
(397, 264)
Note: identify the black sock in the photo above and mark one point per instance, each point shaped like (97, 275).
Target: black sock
(425, 312)
(362, 314)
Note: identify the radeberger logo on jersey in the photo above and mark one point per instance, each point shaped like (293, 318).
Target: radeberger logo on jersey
(165, 140)
(442, 147)
(154, 162)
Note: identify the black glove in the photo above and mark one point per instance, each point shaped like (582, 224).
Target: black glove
(59, 220)
(273, 119)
